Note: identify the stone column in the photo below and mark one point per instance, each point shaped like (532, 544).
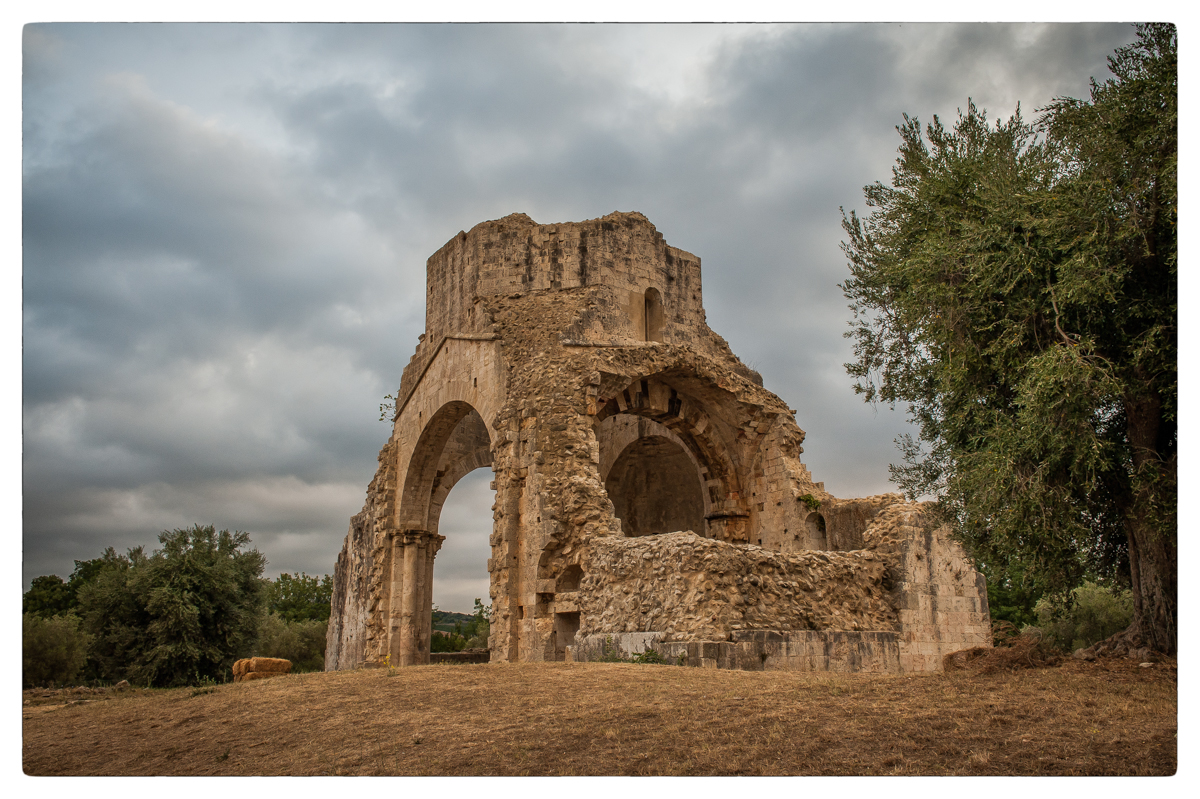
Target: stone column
(395, 596)
(412, 595)
(424, 567)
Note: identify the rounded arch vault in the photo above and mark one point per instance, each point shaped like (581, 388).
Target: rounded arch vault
(453, 441)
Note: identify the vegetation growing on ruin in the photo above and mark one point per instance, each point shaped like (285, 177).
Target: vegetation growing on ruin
(1016, 287)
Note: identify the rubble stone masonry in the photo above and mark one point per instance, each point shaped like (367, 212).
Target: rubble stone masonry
(648, 488)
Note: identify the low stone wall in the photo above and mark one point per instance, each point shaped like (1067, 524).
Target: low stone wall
(757, 650)
(465, 656)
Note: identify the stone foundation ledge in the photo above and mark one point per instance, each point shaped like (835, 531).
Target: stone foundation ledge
(465, 656)
(756, 650)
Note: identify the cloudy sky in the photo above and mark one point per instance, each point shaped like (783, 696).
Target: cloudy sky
(226, 226)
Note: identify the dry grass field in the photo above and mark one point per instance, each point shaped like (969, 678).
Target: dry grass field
(1081, 718)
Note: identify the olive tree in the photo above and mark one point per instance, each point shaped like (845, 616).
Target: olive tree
(1015, 287)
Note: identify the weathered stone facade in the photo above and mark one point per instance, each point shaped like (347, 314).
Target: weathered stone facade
(648, 488)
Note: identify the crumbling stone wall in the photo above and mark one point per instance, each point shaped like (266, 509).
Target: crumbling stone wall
(693, 588)
(940, 599)
(575, 361)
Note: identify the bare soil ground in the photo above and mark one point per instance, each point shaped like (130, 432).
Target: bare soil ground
(1109, 717)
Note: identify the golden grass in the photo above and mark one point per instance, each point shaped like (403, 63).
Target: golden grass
(619, 719)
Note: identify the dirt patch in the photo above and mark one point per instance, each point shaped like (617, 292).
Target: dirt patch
(1109, 717)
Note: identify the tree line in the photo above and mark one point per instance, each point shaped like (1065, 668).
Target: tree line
(177, 616)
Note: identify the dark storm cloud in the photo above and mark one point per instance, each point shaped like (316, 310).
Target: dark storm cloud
(226, 226)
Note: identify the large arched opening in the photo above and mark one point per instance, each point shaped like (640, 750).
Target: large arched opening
(460, 576)
(453, 443)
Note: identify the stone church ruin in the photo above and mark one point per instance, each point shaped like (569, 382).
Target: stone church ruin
(649, 490)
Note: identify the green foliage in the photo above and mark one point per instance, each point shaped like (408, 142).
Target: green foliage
(611, 653)
(300, 598)
(445, 620)
(648, 656)
(1015, 287)
(812, 502)
(112, 608)
(180, 615)
(1090, 614)
(301, 642)
(446, 643)
(1010, 600)
(49, 596)
(477, 631)
(387, 409)
(53, 650)
(471, 635)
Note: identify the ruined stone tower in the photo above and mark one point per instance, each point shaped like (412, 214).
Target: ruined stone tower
(649, 490)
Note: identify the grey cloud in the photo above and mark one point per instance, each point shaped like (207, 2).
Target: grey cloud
(225, 228)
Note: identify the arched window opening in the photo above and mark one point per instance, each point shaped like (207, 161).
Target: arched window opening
(655, 488)
(654, 315)
(817, 536)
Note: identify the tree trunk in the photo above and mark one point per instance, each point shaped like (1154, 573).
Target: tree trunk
(1150, 528)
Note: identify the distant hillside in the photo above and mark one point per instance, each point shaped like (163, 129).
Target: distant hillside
(445, 620)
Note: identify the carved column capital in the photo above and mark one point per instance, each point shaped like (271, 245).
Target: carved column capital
(431, 542)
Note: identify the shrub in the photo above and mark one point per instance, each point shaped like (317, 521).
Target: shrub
(1091, 613)
(446, 643)
(477, 630)
(611, 653)
(53, 650)
(302, 642)
(178, 616)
